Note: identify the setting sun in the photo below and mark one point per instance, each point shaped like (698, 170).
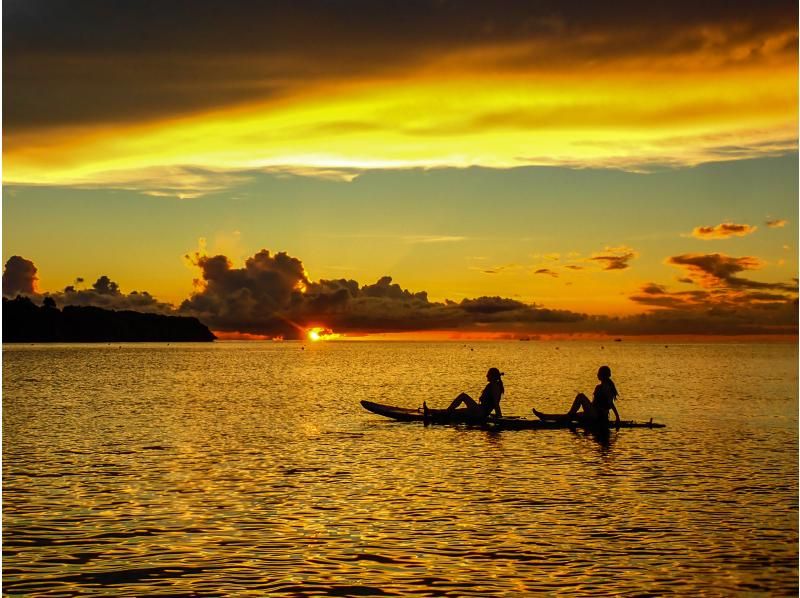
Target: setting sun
(321, 334)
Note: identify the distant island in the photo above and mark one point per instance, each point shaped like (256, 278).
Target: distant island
(25, 322)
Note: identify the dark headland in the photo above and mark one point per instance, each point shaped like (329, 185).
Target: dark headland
(25, 322)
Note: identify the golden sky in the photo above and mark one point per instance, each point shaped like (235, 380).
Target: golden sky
(558, 92)
(400, 115)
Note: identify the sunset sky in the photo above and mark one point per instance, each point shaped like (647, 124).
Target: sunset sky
(619, 168)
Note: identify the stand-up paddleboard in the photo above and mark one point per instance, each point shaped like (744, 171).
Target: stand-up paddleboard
(462, 416)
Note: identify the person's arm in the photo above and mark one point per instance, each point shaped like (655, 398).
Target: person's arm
(614, 409)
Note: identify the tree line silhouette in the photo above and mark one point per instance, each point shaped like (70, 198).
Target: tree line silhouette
(24, 321)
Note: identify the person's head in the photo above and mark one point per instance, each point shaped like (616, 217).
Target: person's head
(604, 373)
(494, 375)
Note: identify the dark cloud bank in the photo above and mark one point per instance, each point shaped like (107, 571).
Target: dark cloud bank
(111, 62)
(20, 276)
(272, 295)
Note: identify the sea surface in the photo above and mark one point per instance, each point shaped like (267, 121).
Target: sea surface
(250, 469)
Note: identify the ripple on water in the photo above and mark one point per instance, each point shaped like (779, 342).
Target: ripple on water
(250, 470)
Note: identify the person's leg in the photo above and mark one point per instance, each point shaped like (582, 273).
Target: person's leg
(581, 402)
(468, 401)
(549, 417)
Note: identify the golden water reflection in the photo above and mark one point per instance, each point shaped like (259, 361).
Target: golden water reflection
(249, 469)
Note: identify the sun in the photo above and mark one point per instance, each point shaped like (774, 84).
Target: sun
(319, 333)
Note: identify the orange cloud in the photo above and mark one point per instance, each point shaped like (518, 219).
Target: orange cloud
(717, 270)
(777, 223)
(723, 231)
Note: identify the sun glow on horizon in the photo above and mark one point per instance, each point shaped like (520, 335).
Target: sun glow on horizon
(319, 333)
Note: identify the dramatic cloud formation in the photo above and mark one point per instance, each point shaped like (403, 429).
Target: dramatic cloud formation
(722, 311)
(257, 298)
(192, 58)
(313, 87)
(272, 296)
(615, 258)
(717, 270)
(778, 223)
(723, 231)
(19, 277)
(726, 304)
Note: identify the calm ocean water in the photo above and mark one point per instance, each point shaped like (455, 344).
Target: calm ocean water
(250, 469)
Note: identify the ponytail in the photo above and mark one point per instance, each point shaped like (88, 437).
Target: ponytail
(495, 376)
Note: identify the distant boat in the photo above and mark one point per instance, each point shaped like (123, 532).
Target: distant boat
(617, 340)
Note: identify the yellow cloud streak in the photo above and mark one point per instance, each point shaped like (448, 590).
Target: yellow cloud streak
(625, 119)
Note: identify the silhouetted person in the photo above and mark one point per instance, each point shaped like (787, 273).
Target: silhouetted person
(489, 400)
(594, 411)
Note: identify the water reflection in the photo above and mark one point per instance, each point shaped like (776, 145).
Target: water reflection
(601, 439)
(147, 471)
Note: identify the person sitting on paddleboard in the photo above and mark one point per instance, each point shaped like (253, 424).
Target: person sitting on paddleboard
(489, 400)
(597, 409)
